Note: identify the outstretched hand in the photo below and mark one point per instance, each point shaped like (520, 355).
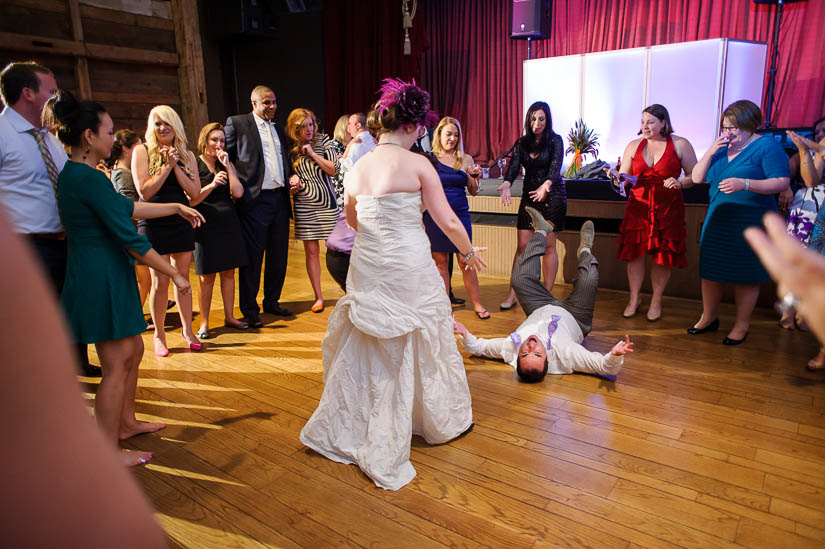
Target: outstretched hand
(504, 189)
(182, 284)
(193, 216)
(622, 347)
(476, 262)
(459, 328)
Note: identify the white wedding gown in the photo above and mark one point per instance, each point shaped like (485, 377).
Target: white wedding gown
(391, 365)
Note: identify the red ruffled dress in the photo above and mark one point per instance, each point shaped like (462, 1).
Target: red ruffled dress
(654, 220)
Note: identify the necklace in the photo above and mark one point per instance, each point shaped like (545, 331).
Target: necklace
(389, 143)
(739, 149)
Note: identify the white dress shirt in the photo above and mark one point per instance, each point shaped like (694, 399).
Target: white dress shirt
(273, 167)
(357, 150)
(26, 191)
(566, 354)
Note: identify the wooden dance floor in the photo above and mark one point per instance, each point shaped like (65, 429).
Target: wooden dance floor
(693, 445)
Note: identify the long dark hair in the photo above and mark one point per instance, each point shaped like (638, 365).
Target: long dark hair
(545, 139)
(124, 139)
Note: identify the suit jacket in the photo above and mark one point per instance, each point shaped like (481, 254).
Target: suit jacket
(243, 143)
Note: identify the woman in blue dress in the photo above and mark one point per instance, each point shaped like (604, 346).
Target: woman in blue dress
(458, 175)
(744, 171)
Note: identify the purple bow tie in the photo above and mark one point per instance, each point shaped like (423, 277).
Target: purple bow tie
(551, 329)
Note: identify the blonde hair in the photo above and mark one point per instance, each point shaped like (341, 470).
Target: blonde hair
(168, 115)
(459, 147)
(340, 133)
(294, 122)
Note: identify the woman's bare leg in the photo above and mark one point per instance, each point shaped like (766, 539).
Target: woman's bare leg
(181, 262)
(207, 284)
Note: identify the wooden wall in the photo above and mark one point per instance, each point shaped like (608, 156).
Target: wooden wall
(128, 54)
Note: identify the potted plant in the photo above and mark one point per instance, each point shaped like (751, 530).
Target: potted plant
(582, 140)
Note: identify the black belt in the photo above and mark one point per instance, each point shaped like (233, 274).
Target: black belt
(273, 190)
(61, 235)
(337, 253)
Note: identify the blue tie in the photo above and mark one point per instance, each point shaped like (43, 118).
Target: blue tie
(551, 329)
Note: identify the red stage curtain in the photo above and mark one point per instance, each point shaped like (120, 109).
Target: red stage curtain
(473, 68)
(363, 44)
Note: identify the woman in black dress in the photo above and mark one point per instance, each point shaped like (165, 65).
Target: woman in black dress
(219, 245)
(164, 171)
(540, 152)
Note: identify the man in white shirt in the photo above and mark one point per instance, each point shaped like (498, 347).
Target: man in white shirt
(258, 148)
(549, 341)
(361, 143)
(30, 160)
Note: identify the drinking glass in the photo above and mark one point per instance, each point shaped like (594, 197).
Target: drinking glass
(502, 165)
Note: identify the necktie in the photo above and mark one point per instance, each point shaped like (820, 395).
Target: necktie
(51, 167)
(551, 329)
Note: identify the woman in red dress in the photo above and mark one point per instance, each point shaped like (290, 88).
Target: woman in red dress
(654, 220)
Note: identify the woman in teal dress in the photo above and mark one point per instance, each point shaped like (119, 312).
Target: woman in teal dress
(100, 295)
(744, 171)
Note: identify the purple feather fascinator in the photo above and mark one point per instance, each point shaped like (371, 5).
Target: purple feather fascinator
(412, 102)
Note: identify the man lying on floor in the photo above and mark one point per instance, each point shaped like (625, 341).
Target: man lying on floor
(549, 341)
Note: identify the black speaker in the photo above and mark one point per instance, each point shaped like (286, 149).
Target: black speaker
(530, 19)
(241, 17)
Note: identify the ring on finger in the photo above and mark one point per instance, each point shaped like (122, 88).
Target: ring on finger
(788, 302)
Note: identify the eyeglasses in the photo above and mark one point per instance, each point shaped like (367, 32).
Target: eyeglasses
(729, 129)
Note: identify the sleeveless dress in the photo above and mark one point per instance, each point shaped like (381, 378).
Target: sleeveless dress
(654, 219)
(219, 243)
(547, 165)
(100, 294)
(316, 206)
(724, 255)
(455, 188)
(171, 234)
(391, 365)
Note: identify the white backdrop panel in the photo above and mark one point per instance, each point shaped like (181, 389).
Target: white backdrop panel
(686, 79)
(613, 98)
(744, 72)
(557, 81)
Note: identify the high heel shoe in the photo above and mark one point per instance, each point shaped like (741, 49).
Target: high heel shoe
(730, 341)
(712, 327)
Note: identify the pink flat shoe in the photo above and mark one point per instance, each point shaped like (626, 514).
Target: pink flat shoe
(196, 346)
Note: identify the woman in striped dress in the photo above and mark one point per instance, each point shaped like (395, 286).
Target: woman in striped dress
(315, 160)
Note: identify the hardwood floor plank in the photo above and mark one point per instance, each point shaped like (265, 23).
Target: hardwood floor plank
(692, 445)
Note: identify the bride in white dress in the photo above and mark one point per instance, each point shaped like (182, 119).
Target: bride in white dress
(391, 365)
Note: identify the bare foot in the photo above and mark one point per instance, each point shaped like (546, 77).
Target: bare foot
(817, 362)
(133, 458)
(139, 428)
(787, 321)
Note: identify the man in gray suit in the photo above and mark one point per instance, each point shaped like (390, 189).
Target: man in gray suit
(549, 341)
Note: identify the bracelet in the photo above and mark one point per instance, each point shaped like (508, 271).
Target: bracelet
(468, 256)
(747, 184)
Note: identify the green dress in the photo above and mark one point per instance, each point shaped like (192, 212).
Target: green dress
(100, 295)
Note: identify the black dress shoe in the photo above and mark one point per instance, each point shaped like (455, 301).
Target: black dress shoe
(253, 321)
(90, 370)
(276, 310)
(729, 341)
(712, 327)
(456, 300)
